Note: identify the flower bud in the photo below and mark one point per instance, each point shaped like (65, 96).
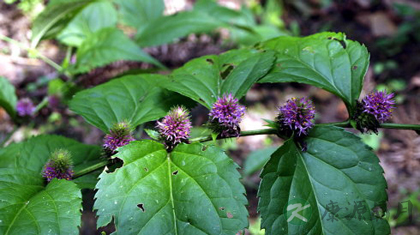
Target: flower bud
(297, 115)
(175, 127)
(25, 107)
(119, 135)
(225, 116)
(374, 109)
(59, 166)
(379, 104)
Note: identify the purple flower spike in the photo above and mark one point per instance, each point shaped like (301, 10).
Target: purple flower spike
(25, 107)
(59, 166)
(379, 104)
(175, 127)
(119, 135)
(298, 115)
(225, 116)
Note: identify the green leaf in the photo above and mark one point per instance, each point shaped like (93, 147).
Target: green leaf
(204, 18)
(195, 189)
(8, 97)
(260, 33)
(92, 18)
(336, 171)
(106, 46)
(32, 154)
(29, 207)
(257, 159)
(138, 13)
(54, 18)
(224, 14)
(154, 135)
(167, 28)
(326, 60)
(134, 98)
(209, 77)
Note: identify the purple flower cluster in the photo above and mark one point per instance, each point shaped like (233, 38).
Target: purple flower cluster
(119, 135)
(225, 116)
(379, 104)
(298, 115)
(59, 166)
(175, 127)
(25, 107)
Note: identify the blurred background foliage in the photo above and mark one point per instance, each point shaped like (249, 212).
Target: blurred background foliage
(389, 28)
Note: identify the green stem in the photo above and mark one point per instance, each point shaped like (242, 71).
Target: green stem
(48, 61)
(41, 105)
(243, 133)
(413, 127)
(12, 41)
(90, 169)
(345, 124)
(266, 132)
(32, 51)
(339, 124)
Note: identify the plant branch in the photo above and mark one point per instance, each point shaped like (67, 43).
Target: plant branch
(90, 169)
(32, 51)
(413, 127)
(243, 133)
(346, 124)
(41, 105)
(268, 131)
(338, 124)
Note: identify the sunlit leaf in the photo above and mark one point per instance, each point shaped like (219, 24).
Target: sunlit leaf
(106, 46)
(209, 77)
(92, 18)
(326, 60)
(195, 189)
(29, 207)
(334, 186)
(135, 98)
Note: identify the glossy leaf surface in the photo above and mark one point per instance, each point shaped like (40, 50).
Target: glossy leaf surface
(168, 28)
(209, 77)
(337, 171)
(32, 154)
(92, 18)
(138, 13)
(134, 98)
(29, 207)
(326, 60)
(54, 18)
(106, 46)
(195, 189)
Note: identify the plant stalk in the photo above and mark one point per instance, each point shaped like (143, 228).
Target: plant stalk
(243, 133)
(267, 131)
(90, 169)
(399, 126)
(41, 105)
(33, 51)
